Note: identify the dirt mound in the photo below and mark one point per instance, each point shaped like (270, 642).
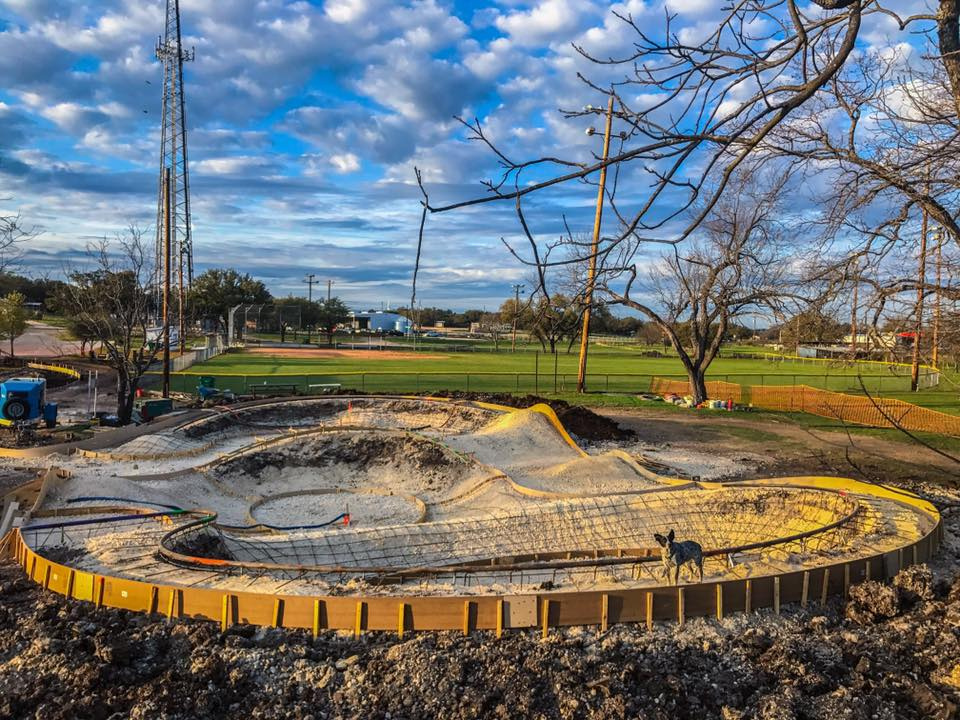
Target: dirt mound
(871, 602)
(578, 420)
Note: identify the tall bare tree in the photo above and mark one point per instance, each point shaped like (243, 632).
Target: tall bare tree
(112, 300)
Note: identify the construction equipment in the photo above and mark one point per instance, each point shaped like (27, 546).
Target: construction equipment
(23, 402)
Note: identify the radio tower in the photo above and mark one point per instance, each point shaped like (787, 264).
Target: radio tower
(173, 156)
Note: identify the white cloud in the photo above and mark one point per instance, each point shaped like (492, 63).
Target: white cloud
(543, 23)
(345, 163)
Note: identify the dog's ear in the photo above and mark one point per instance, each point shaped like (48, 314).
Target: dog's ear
(670, 535)
(660, 539)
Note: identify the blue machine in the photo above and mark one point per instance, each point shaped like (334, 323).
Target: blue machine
(23, 401)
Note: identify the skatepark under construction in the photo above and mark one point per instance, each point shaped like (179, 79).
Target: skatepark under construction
(403, 514)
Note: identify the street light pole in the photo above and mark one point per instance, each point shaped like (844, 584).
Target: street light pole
(592, 271)
(516, 312)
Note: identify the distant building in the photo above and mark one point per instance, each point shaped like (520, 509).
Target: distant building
(382, 322)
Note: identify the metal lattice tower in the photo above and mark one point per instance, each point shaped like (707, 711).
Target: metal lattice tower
(173, 155)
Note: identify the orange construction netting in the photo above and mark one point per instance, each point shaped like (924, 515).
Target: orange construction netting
(857, 409)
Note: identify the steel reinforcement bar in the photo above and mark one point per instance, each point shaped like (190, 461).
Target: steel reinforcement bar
(403, 613)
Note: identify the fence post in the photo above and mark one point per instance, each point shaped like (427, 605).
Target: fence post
(536, 373)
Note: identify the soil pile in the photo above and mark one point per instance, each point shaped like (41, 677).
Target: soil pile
(580, 421)
(61, 659)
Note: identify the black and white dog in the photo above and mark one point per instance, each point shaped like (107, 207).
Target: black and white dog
(676, 554)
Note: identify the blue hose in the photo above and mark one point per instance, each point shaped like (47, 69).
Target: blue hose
(100, 498)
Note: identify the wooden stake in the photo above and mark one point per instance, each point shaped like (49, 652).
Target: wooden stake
(277, 611)
(70, 580)
(154, 599)
(748, 596)
(172, 604)
(806, 588)
(776, 595)
(546, 618)
(869, 566)
(649, 611)
(680, 609)
(98, 583)
(466, 617)
(358, 621)
(604, 611)
(316, 617)
(719, 601)
(826, 586)
(46, 578)
(499, 617)
(225, 613)
(846, 581)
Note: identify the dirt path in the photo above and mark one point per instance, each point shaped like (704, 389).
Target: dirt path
(786, 448)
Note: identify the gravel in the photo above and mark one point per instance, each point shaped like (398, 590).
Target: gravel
(63, 659)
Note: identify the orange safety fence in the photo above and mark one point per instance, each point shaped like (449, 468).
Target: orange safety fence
(857, 409)
(878, 412)
(717, 389)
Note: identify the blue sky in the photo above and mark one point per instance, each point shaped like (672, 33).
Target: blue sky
(305, 122)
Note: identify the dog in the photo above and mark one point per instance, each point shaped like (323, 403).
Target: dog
(677, 554)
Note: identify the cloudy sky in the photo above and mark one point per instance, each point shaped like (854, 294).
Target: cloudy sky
(305, 122)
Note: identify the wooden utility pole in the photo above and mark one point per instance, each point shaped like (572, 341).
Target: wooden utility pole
(329, 285)
(516, 313)
(853, 310)
(594, 248)
(935, 354)
(182, 335)
(918, 325)
(166, 282)
(310, 281)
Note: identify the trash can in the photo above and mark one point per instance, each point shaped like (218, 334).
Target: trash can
(50, 415)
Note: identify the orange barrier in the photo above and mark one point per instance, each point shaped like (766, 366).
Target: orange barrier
(857, 409)
(717, 389)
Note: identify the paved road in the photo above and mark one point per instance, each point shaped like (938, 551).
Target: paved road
(41, 340)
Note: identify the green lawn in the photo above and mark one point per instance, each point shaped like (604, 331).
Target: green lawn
(615, 370)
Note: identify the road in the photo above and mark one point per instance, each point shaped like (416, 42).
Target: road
(41, 340)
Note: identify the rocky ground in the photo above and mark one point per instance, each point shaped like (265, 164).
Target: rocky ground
(893, 652)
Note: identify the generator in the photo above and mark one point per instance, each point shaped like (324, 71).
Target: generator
(23, 402)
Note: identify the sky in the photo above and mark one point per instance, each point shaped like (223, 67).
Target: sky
(305, 121)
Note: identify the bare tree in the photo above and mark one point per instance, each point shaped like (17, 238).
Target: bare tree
(775, 82)
(13, 234)
(113, 301)
(740, 264)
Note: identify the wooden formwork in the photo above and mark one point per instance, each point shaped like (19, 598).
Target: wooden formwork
(405, 613)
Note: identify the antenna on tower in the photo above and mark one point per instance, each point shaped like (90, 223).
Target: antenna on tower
(173, 157)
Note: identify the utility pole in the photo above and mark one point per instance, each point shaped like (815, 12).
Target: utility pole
(853, 310)
(310, 281)
(166, 283)
(516, 312)
(935, 355)
(594, 248)
(918, 325)
(329, 284)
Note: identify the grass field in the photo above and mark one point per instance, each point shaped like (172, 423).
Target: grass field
(615, 370)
